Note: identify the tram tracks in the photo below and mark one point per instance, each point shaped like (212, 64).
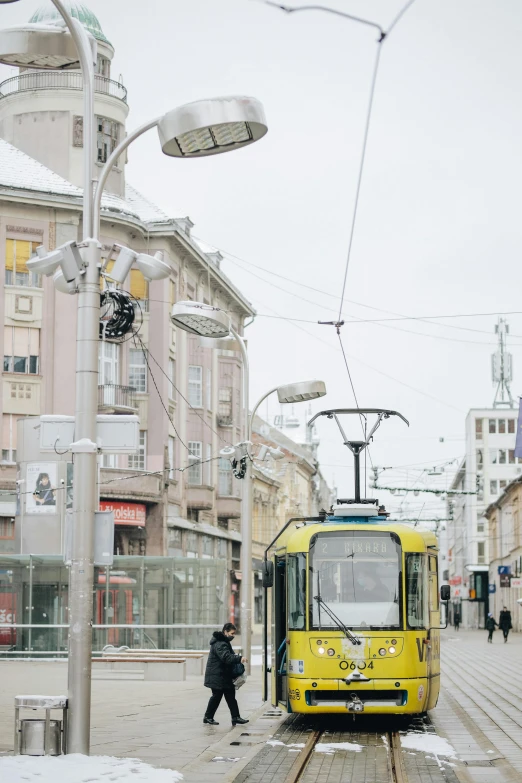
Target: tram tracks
(390, 739)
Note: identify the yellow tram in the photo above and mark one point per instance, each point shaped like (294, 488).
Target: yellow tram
(355, 614)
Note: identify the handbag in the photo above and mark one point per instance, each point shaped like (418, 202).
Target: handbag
(237, 670)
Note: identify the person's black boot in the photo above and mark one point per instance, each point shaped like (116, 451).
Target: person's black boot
(238, 721)
(210, 721)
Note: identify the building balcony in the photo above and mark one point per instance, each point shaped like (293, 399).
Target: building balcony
(224, 421)
(113, 398)
(200, 497)
(60, 80)
(229, 507)
(129, 484)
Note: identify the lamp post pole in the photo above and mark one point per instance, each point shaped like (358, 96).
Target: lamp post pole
(85, 502)
(245, 562)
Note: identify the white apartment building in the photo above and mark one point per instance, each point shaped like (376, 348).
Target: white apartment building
(488, 467)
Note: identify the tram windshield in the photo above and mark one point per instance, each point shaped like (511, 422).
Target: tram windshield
(357, 574)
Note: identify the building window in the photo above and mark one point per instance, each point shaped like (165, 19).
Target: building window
(21, 350)
(172, 457)
(225, 477)
(192, 544)
(107, 138)
(195, 455)
(207, 547)
(139, 461)
(225, 417)
(511, 426)
(172, 379)
(17, 254)
(139, 288)
(195, 386)
(109, 461)
(209, 389)
(108, 363)
(480, 526)
(208, 465)
(501, 426)
(175, 542)
(478, 429)
(8, 455)
(221, 548)
(480, 459)
(7, 527)
(502, 457)
(481, 552)
(511, 456)
(493, 456)
(493, 487)
(502, 484)
(137, 370)
(102, 67)
(492, 426)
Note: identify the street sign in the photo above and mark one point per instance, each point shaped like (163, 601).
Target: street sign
(492, 588)
(505, 580)
(516, 581)
(504, 569)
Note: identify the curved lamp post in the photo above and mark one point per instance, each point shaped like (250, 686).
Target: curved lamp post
(212, 322)
(195, 130)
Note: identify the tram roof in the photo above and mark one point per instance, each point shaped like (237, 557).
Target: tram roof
(297, 537)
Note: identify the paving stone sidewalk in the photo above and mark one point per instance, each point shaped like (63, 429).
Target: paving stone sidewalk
(160, 723)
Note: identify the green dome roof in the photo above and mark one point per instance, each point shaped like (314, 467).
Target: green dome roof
(48, 14)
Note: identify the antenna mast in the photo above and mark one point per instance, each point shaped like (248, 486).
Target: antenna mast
(502, 368)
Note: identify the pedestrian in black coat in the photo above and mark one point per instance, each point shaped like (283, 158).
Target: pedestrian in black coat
(219, 677)
(491, 624)
(504, 622)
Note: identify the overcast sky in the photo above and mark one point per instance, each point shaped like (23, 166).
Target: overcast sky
(438, 229)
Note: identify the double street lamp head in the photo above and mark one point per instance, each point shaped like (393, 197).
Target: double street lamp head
(301, 391)
(201, 319)
(212, 126)
(35, 45)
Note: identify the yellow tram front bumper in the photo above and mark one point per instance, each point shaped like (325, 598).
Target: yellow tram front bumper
(374, 697)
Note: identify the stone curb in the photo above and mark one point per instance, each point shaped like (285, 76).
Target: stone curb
(217, 749)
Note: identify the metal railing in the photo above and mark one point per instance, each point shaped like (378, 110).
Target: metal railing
(112, 395)
(60, 80)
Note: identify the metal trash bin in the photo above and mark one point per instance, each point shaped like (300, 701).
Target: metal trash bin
(40, 736)
(32, 737)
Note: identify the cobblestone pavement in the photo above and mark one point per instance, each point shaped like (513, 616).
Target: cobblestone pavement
(479, 714)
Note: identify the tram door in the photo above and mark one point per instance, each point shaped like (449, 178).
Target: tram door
(279, 663)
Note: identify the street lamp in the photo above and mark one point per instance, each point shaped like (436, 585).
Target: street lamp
(198, 129)
(207, 321)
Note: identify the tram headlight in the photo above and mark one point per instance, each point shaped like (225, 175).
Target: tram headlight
(391, 650)
(382, 651)
(321, 650)
(331, 652)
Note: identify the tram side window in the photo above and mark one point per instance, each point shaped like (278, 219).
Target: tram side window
(296, 579)
(434, 585)
(417, 593)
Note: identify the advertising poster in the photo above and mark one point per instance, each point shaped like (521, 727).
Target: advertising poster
(41, 488)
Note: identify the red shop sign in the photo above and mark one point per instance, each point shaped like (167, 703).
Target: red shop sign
(126, 513)
(455, 580)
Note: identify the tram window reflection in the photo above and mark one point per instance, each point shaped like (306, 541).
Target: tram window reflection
(296, 575)
(358, 575)
(417, 591)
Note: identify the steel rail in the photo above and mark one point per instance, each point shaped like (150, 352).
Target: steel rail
(393, 745)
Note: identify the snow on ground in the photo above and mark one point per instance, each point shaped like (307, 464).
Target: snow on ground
(76, 768)
(427, 743)
(331, 747)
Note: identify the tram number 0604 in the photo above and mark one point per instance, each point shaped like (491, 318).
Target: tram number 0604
(356, 665)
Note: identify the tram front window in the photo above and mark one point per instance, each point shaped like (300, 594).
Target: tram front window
(357, 575)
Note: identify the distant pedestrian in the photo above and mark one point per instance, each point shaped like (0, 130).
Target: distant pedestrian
(456, 619)
(219, 675)
(504, 622)
(491, 624)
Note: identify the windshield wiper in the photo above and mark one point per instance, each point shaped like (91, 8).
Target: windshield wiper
(342, 627)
